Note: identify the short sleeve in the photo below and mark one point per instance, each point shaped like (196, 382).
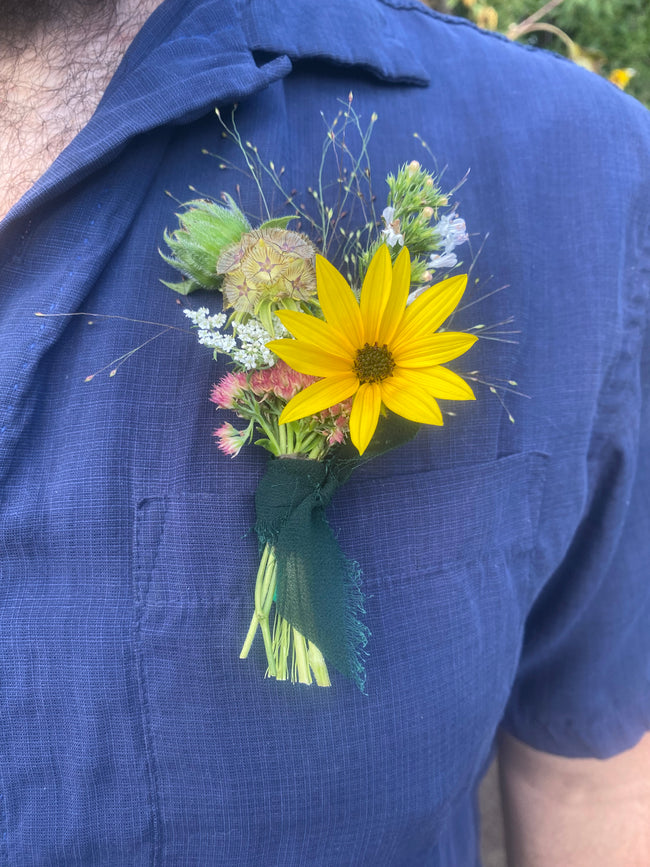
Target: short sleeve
(583, 684)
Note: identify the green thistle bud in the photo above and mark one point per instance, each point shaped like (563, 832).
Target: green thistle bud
(205, 230)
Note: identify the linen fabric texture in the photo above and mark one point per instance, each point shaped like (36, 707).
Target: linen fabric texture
(505, 564)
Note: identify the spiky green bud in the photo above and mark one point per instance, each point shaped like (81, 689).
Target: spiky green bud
(205, 230)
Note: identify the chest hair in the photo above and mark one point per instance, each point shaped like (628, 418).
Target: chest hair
(49, 91)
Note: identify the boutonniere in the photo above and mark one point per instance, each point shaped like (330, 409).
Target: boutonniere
(338, 339)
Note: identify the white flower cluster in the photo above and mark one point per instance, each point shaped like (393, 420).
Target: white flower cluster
(452, 232)
(252, 352)
(247, 343)
(209, 328)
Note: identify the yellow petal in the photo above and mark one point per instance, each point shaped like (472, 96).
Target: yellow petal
(410, 400)
(319, 396)
(339, 305)
(306, 358)
(365, 415)
(397, 299)
(438, 382)
(313, 330)
(427, 313)
(375, 292)
(437, 349)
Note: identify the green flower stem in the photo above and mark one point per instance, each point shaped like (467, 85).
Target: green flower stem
(305, 656)
(264, 590)
(312, 445)
(268, 646)
(271, 434)
(291, 439)
(263, 602)
(250, 635)
(282, 438)
(300, 657)
(318, 665)
(281, 647)
(315, 444)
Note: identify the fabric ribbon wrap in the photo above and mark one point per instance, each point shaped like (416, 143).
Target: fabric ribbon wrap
(318, 588)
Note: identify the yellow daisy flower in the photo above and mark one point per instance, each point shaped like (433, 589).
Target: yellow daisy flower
(377, 349)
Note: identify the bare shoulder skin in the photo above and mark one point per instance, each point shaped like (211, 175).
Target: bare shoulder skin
(563, 812)
(53, 72)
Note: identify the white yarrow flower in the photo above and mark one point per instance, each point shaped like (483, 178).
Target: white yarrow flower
(252, 352)
(209, 329)
(246, 345)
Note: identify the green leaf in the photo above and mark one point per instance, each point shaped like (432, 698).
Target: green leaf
(392, 431)
(278, 222)
(186, 287)
(265, 315)
(266, 444)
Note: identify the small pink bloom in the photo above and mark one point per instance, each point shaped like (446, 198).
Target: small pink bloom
(342, 411)
(339, 413)
(288, 382)
(336, 437)
(336, 421)
(280, 380)
(229, 439)
(261, 382)
(228, 389)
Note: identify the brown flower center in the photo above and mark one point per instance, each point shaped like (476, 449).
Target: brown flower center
(373, 363)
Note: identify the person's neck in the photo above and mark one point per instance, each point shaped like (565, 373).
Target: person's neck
(50, 85)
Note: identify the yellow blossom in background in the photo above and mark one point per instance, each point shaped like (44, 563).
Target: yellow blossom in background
(487, 17)
(378, 349)
(621, 77)
(596, 36)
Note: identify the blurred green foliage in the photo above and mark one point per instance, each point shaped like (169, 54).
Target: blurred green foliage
(609, 34)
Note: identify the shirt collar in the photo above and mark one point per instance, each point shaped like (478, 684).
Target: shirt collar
(354, 33)
(193, 55)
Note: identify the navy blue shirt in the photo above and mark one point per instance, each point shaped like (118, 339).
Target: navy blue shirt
(505, 564)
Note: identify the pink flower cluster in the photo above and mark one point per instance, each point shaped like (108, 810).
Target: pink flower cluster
(282, 382)
(336, 421)
(279, 380)
(229, 388)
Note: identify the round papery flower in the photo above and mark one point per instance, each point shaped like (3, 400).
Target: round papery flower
(267, 265)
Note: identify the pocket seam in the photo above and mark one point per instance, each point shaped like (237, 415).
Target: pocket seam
(141, 584)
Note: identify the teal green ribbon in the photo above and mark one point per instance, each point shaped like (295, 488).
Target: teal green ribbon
(318, 588)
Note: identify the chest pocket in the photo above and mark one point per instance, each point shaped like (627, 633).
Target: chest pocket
(446, 563)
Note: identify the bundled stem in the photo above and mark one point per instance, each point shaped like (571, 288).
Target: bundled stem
(285, 641)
